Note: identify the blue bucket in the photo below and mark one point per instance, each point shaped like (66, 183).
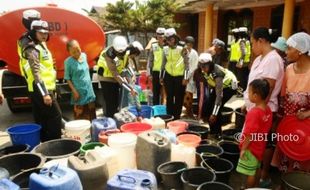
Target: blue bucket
(25, 134)
(146, 111)
(159, 110)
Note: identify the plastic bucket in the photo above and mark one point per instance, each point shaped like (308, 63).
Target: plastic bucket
(16, 163)
(146, 111)
(226, 115)
(231, 151)
(159, 110)
(22, 179)
(58, 148)
(296, 181)
(240, 118)
(166, 118)
(90, 146)
(193, 177)
(203, 131)
(104, 135)
(135, 127)
(231, 134)
(170, 173)
(14, 149)
(221, 167)
(25, 134)
(214, 185)
(177, 126)
(207, 151)
(189, 140)
(78, 130)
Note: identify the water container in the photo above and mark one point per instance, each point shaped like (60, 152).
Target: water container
(166, 118)
(133, 180)
(202, 130)
(55, 178)
(215, 185)
(231, 151)
(152, 150)
(92, 172)
(207, 151)
(240, 118)
(6, 184)
(124, 116)
(183, 153)
(90, 146)
(104, 135)
(192, 140)
(156, 123)
(170, 173)
(226, 115)
(193, 177)
(14, 149)
(22, 179)
(296, 180)
(25, 134)
(231, 134)
(177, 126)
(159, 110)
(146, 111)
(58, 148)
(168, 134)
(124, 144)
(16, 163)
(102, 124)
(135, 127)
(4, 173)
(110, 156)
(78, 130)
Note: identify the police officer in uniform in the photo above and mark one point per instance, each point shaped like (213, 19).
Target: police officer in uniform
(111, 63)
(155, 62)
(234, 51)
(174, 73)
(222, 84)
(38, 70)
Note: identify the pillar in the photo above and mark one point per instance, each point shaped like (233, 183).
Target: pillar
(287, 26)
(208, 26)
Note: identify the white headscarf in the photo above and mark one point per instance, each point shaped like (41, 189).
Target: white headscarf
(300, 41)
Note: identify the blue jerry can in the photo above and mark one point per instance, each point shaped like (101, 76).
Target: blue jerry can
(129, 179)
(101, 124)
(6, 184)
(55, 178)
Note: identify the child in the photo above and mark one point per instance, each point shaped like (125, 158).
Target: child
(257, 125)
(78, 78)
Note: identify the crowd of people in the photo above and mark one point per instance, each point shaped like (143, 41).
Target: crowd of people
(274, 74)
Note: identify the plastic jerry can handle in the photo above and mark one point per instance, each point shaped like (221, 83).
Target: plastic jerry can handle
(126, 179)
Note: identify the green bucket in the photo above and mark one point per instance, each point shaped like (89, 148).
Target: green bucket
(90, 146)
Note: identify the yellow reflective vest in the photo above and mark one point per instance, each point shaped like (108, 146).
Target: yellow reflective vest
(228, 77)
(175, 63)
(47, 71)
(248, 52)
(235, 51)
(158, 57)
(120, 63)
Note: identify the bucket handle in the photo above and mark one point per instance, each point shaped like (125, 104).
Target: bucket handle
(127, 179)
(203, 160)
(181, 170)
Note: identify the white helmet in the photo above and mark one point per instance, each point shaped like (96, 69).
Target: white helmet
(120, 44)
(40, 26)
(204, 58)
(31, 14)
(170, 32)
(137, 45)
(160, 31)
(243, 29)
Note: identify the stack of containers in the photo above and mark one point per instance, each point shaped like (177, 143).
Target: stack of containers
(102, 124)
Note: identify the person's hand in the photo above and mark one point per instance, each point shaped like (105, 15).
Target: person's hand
(161, 81)
(242, 155)
(76, 95)
(243, 109)
(133, 92)
(212, 119)
(184, 82)
(303, 114)
(1, 99)
(47, 100)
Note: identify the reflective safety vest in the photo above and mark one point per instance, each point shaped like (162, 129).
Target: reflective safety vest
(235, 51)
(120, 64)
(228, 78)
(175, 62)
(248, 52)
(47, 71)
(22, 61)
(158, 57)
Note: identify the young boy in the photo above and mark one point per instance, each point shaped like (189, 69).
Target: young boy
(78, 78)
(257, 125)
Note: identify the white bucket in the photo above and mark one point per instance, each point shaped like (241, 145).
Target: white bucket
(124, 144)
(78, 130)
(157, 123)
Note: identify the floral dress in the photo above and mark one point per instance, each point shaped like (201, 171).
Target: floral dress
(295, 97)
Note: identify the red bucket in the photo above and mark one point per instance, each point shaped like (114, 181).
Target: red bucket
(177, 126)
(135, 127)
(189, 140)
(104, 135)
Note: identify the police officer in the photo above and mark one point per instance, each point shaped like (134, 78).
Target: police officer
(111, 63)
(242, 67)
(234, 50)
(174, 73)
(155, 62)
(40, 75)
(222, 84)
